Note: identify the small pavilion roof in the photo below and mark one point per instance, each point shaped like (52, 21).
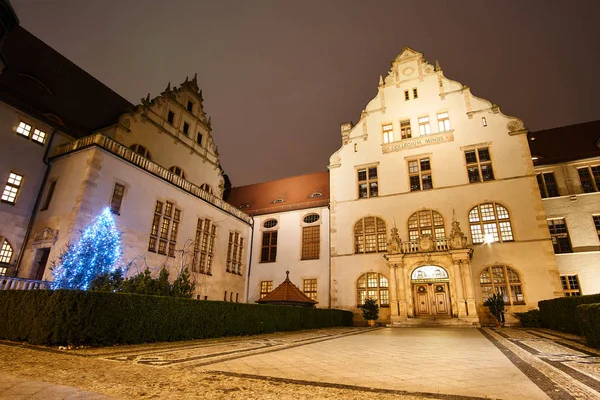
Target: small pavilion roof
(287, 294)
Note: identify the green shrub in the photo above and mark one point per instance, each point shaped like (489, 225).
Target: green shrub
(561, 314)
(529, 319)
(590, 323)
(370, 310)
(63, 317)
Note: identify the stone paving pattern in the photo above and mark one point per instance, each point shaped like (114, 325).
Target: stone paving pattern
(341, 363)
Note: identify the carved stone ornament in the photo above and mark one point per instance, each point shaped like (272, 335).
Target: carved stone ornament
(46, 235)
(394, 245)
(515, 125)
(425, 243)
(457, 239)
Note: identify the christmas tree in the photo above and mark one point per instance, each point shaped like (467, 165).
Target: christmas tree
(97, 252)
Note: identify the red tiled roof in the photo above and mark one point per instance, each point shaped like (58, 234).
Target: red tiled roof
(567, 143)
(295, 193)
(287, 293)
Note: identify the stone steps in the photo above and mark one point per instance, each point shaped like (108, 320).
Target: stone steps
(438, 322)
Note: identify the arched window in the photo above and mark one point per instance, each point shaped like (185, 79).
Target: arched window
(177, 171)
(206, 188)
(375, 286)
(370, 235)
(490, 222)
(426, 222)
(141, 150)
(502, 279)
(6, 252)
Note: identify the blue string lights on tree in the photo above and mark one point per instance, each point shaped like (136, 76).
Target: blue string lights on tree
(97, 251)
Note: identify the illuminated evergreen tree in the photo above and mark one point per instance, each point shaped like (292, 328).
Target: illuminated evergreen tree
(97, 252)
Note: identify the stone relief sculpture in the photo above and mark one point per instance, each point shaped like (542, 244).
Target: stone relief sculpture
(395, 244)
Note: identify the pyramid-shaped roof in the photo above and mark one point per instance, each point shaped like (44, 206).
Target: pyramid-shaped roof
(287, 294)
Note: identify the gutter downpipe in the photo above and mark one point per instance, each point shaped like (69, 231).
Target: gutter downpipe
(38, 199)
(250, 260)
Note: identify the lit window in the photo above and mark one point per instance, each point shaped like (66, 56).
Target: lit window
(426, 223)
(171, 117)
(483, 121)
(570, 285)
(141, 150)
(24, 129)
(268, 252)
(204, 244)
(597, 224)
(443, 122)
(309, 287)
(388, 133)
(164, 230)
(11, 190)
(49, 194)
(419, 174)
(375, 286)
(405, 131)
(311, 242)
(547, 185)
(415, 93)
(206, 187)
(489, 223)
(424, 126)
(560, 236)
(370, 236)
(6, 251)
(504, 280)
(266, 287)
(235, 250)
(479, 165)
(39, 136)
(406, 96)
(367, 182)
(117, 198)
(590, 178)
(177, 171)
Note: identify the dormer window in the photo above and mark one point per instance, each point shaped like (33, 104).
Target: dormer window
(177, 171)
(245, 205)
(190, 106)
(186, 128)
(316, 194)
(171, 117)
(141, 150)
(277, 201)
(206, 188)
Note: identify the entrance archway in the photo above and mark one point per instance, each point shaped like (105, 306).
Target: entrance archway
(431, 294)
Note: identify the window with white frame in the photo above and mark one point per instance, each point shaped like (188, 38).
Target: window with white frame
(375, 286)
(6, 251)
(12, 188)
(309, 287)
(426, 223)
(479, 165)
(24, 129)
(370, 235)
(367, 182)
(547, 185)
(235, 250)
(38, 136)
(165, 227)
(424, 127)
(443, 121)
(570, 285)
(504, 280)
(560, 236)
(490, 222)
(311, 238)
(204, 244)
(405, 131)
(419, 173)
(388, 133)
(590, 178)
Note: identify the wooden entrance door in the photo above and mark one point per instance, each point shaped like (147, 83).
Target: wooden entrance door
(431, 299)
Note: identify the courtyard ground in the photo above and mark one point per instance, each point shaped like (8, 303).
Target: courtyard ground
(341, 363)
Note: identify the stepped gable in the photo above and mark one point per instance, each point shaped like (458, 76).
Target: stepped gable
(567, 143)
(294, 193)
(44, 83)
(287, 294)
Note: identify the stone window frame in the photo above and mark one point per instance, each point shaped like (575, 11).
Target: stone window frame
(387, 133)
(49, 194)
(235, 251)
(12, 188)
(444, 123)
(204, 246)
(405, 133)
(378, 238)
(547, 184)
(478, 164)
(178, 171)
(140, 150)
(559, 233)
(7, 252)
(367, 180)
(570, 285)
(415, 93)
(590, 183)
(416, 173)
(116, 199)
(171, 117)
(492, 280)
(406, 95)
(164, 228)
(310, 248)
(309, 288)
(596, 221)
(31, 131)
(417, 226)
(207, 188)
(375, 285)
(266, 287)
(500, 226)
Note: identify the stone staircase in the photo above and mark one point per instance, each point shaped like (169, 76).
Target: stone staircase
(472, 322)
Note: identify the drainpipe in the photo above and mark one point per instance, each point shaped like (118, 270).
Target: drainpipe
(38, 199)
(250, 261)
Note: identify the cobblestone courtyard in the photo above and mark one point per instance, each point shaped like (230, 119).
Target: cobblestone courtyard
(342, 363)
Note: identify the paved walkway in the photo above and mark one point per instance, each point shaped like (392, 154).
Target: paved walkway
(349, 363)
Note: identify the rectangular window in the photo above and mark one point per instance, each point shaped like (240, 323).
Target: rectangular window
(419, 173)
(199, 138)
(225, 296)
(266, 287)
(483, 122)
(479, 165)
(406, 96)
(11, 190)
(415, 93)
(190, 106)
(547, 185)
(186, 128)
(237, 297)
(388, 133)
(171, 117)
(268, 251)
(367, 182)
(424, 127)
(24, 129)
(310, 288)
(560, 236)
(49, 194)
(234, 253)
(570, 285)
(165, 227)
(590, 178)
(117, 198)
(311, 242)
(443, 122)
(38, 136)
(597, 224)
(405, 132)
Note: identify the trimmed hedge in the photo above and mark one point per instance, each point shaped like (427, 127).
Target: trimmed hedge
(529, 319)
(590, 323)
(562, 314)
(64, 317)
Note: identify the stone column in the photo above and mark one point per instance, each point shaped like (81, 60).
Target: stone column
(393, 290)
(460, 295)
(400, 280)
(468, 287)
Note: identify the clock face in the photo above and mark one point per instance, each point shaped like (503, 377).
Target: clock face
(408, 71)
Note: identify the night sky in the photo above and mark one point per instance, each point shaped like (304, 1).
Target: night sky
(280, 76)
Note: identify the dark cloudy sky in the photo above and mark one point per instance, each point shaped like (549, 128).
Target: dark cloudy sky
(279, 76)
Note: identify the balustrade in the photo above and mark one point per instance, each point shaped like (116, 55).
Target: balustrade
(7, 283)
